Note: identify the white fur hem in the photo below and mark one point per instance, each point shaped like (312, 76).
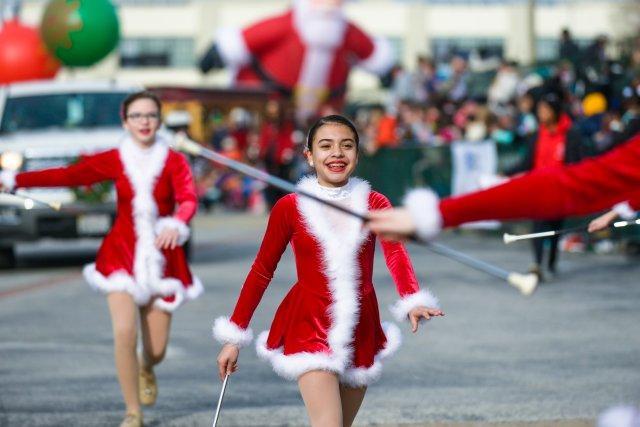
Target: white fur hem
(121, 281)
(624, 211)
(381, 59)
(422, 298)
(232, 47)
(8, 179)
(185, 294)
(227, 332)
(361, 377)
(292, 366)
(184, 232)
(423, 208)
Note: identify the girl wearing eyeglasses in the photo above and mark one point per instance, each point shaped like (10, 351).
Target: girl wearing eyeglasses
(141, 265)
(326, 334)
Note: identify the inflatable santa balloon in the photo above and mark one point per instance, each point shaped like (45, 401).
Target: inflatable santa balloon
(305, 53)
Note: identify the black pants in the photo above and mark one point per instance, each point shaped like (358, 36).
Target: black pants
(539, 244)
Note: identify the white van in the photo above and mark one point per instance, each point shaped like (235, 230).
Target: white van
(50, 124)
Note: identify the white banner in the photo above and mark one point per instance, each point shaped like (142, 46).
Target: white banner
(474, 163)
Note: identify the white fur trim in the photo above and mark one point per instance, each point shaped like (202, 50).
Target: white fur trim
(232, 47)
(620, 416)
(184, 232)
(423, 208)
(292, 366)
(360, 377)
(624, 211)
(422, 298)
(143, 167)
(381, 59)
(121, 281)
(8, 179)
(339, 250)
(227, 332)
(185, 294)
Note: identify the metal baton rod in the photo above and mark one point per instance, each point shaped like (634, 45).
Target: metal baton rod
(525, 283)
(510, 238)
(224, 388)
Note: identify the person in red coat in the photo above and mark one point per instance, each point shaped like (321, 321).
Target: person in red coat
(305, 53)
(326, 333)
(555, 144)
(586, 187)
(141, 265)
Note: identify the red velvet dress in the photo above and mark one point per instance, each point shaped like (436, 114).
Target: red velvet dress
(149, 183)
(329, 320)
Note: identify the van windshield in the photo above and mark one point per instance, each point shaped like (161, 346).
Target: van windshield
(62, 111)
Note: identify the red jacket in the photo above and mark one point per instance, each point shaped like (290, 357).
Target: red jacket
(329, 319)
(149, 184)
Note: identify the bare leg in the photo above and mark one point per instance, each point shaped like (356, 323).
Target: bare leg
(351, 400)
(123, 319)
(155, 324)
(320, 391)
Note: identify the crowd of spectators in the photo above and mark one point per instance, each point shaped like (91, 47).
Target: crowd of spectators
(439, 103)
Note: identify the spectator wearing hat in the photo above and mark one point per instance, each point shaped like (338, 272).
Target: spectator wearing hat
(554, 144)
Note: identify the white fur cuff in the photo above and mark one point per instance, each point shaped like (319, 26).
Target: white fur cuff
(171, 222)
(8, 180)
(232, 47)
(423, 208)
(227, 332)
(422, 298)
(625, 211)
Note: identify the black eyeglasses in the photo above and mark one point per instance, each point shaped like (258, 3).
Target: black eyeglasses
(138, 117)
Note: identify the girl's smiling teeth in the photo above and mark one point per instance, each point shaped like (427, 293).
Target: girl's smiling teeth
(337, 166)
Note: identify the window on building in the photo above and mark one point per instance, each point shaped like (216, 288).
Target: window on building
(445, 48)
(157, 52)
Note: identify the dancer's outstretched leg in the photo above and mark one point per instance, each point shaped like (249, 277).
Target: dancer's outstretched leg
(123, 319)
(155, 325)
(321, 394)
(351, 400)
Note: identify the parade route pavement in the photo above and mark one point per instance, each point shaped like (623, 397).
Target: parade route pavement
(497, 359)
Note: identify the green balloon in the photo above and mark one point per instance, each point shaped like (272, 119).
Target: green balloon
(80, 32)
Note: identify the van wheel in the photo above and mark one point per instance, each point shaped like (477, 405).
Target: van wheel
(7, 257)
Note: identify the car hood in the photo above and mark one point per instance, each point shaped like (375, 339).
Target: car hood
(56, 143)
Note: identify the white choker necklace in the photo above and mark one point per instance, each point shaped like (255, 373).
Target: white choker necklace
(336, 193)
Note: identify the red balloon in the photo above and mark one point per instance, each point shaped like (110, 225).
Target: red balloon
(23, 55)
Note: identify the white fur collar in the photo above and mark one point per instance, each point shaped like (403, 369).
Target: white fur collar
(340, 259)
(143, 167)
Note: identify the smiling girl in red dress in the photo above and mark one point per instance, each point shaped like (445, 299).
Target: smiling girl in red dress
(327, 333)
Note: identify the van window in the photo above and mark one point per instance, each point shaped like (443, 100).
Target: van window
(62, 111)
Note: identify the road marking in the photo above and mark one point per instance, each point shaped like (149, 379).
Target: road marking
(41, 284)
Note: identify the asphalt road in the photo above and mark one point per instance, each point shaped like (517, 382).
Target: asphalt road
(496, 359)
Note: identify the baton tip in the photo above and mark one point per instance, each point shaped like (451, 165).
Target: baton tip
(525, 283)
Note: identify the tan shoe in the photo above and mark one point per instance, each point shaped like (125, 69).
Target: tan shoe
(147, 387)
(132, 419)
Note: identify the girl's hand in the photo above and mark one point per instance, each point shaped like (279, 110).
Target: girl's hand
(168, 238)
(417, 314)
(391, 224)
(602, 221)
(228, 360)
